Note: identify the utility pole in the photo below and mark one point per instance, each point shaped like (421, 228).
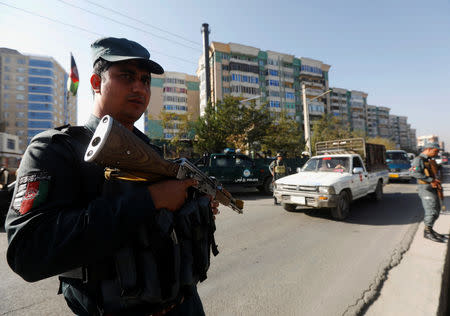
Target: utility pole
(306, 115)
(306, 121)
(205, 32)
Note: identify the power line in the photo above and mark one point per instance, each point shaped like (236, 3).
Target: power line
(128, 25)
(50, 19)
(84, 30)
(142, 22)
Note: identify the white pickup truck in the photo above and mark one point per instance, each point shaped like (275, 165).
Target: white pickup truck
(335, 177)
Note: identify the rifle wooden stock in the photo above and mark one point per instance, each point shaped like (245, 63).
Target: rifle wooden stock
(114, 146)
(127, 157)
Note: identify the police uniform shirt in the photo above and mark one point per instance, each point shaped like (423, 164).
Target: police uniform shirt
(418, 168)
(59, 219)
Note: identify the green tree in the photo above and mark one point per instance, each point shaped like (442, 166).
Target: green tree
(210, 135)
(329, 128)
(284, 134)
(179, 124)
(389, 144)
(231, 123)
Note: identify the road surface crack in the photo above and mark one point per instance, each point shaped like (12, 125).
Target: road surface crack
(371, 294)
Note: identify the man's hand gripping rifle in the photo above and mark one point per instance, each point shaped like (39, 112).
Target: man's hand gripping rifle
(126, 156)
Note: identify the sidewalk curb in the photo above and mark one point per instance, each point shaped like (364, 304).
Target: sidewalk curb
(370, 296)
(418, 286)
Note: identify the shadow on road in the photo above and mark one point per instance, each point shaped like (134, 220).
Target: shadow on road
(394, 209)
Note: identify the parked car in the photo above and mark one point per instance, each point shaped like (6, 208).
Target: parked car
(399, 164)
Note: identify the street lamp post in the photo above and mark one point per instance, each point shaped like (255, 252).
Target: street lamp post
(306, 117)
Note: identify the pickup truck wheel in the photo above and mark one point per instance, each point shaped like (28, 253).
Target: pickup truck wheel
(342, 208)
(289, 207)
(378, 194)
(267, 186)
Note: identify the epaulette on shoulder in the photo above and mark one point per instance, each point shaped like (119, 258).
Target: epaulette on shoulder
(60, 128)
(66, 129)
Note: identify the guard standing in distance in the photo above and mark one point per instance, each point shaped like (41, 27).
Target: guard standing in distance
(427, 187)
(278, 169)
(112, 243)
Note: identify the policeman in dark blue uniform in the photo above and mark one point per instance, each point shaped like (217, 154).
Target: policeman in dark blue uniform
(427, 183)
(113, 243)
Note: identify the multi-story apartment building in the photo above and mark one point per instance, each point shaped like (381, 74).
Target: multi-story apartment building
(357, 101)
(33, 95)
(412, 141)
(372, 120)
(399, 131)
(267, 76)
(176, 93)
(338, 105)
(351, 107)
(383, 121)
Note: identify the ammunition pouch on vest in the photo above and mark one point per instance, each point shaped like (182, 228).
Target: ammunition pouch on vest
(280, 169)
(172, 254)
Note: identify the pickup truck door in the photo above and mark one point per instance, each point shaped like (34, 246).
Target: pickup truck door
(360, 180)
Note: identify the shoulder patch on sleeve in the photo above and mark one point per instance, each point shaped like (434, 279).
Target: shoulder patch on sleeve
(32, 191)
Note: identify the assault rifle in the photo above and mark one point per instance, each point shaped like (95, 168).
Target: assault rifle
(125, 156)
(435, 174)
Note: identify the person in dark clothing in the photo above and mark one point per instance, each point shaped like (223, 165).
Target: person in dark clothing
(278, 168)
(427, 183)
(112, 243)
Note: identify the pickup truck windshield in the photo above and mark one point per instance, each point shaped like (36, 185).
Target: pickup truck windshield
(327, 164)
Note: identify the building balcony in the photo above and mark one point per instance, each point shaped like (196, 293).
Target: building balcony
(313, 92)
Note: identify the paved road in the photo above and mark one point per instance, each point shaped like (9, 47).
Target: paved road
(273, 262)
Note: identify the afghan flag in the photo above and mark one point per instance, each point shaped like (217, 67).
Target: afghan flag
(72, 84)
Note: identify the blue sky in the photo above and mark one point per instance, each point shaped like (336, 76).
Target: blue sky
(396, 51)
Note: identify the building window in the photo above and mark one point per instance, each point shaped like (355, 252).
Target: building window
(10, 143)
(20, 97)
(274, 104)
(40, 89)
(20, 114)
(40, 115)
(20, 88)
(40, 72)
(175, 107)
(40, 107)
(290, 95)
(40, 63)
(39, 97)
(21, 61)
(39, 124)
(39, 80)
